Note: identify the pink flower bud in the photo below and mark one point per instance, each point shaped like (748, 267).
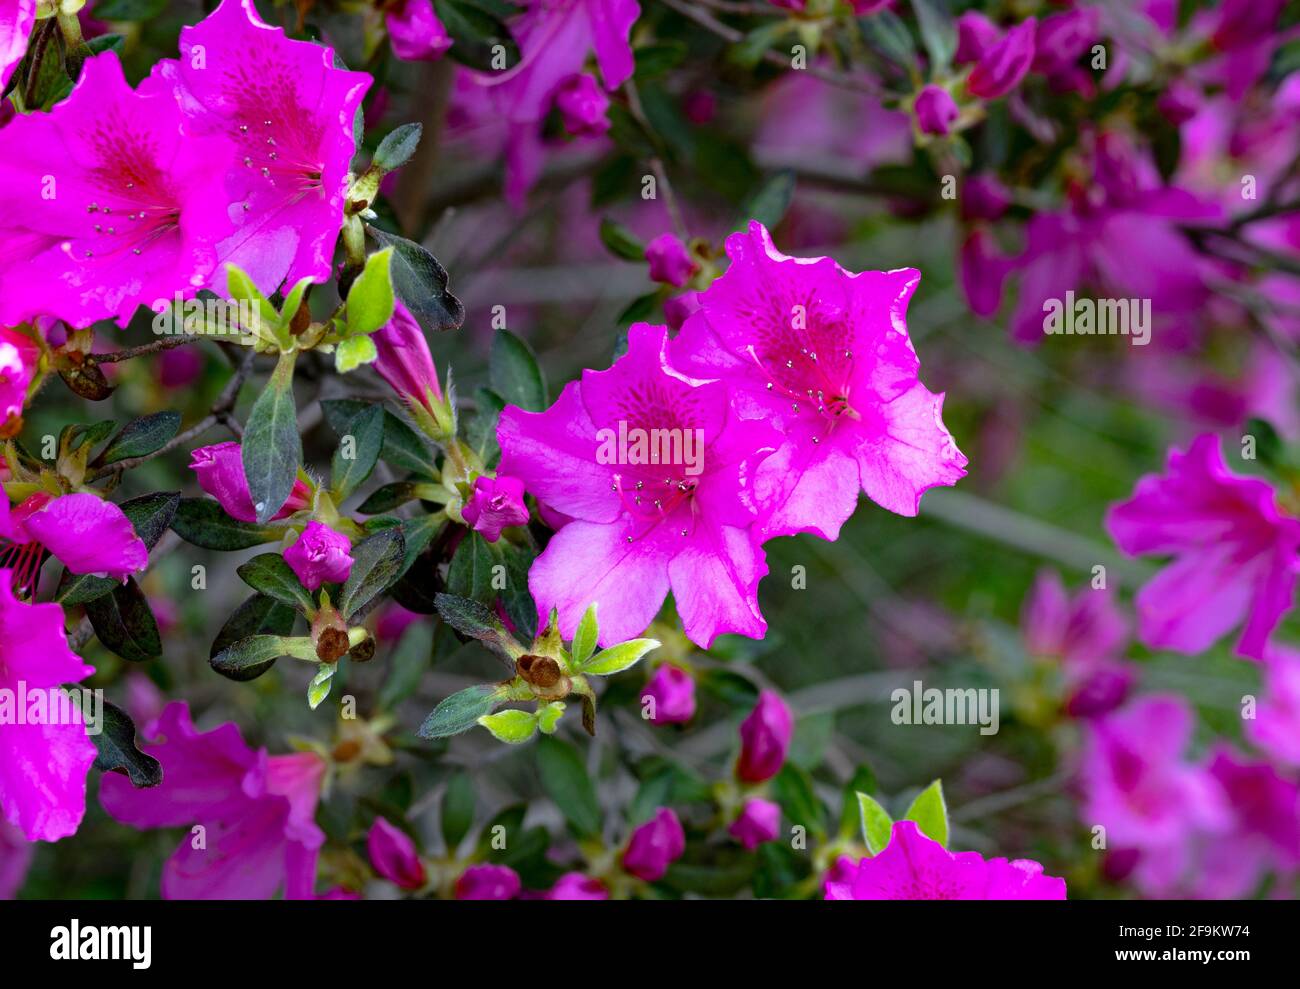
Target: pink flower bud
(1245, 22)
(487, 882)
(415, 32)
(935, 110)
(984, 197)
(1003, 66)
(576, 886)
(670, 261)
(220, 472)
(673, 693)
(394, 856)
(983, 270)
(320, 556)
(496, 504)
(976, 34)
(759, 821)
(1179, 102)
(654, 845)
(404, 360)
(679, 308)
(583, 106)
(764, 739)
(1062, 38)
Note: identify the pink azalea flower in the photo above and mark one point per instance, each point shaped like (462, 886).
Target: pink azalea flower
(759, 821)
(1138, 786)
(220, 472)
(394, 855)
(497, 503)
(555, 37)
(320, 556)
(404, 360)
(106, 208)
(1234, 552)
(935, 110)
(654, 846)
(488, 882)
(43, 767)
(15, 859)
(673, 691)
(17, 18)
(257, 812)
(976, 34)
(288, 113)
(576, 886)
(583, 106)
(18, 357)
(86, 533)
(764, 739)
(1276, 725)
(415, 32)
(915, 867)
(1005, 63)
(823, 355)
(642, 529)
(670, 261)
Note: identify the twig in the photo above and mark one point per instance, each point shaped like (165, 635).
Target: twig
(167, 343)
(657, 163)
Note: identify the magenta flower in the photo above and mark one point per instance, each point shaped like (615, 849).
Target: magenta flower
(914, 867)
(984, 197)
(672, 690)
(823, 355)
(220, 471)
(1234, 552)
(109, 208)
(1001, 68)
(935, 110)
(1062, 38)
(576, 886)
(555, 37)
(764, 739)
(394, 856)
(320, 556)
(43, 767)
(488, 882)
(288, 113)
(415, 32)
(976, 34)
(15, 859)
(252, 816)
(497, 503)
(1276, 725)
(642, 528)
(654, 846)
(18, 357)
(87, 534)
(583, 106)
(759, 821)
(1138, 786)
(670, 261)
(404, 360)
(17, 18)
(983, 270)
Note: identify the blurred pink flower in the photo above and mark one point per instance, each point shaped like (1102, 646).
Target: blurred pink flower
(488, 882)
(670, 261)
(15, 859)
(672, 690)
(765, 736)
(759, 821)
(1004, 64)
(415, 32)
(394, 855)
(654, 846)
(935, 110)
(577, 886)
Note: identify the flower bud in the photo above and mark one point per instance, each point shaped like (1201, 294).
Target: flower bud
(414, 31)
(394, 856)
(655, 845)
(764, 739)
(320, 556)
(976, 34)
(583, 106)
(488, 882)
(983, 270)
(404, 360)
(1062, 38)
(220, 472)
(670, 261)
(576, 886)
(1179, 102)
(759, 821)
(497, 503)
(935, 110)
(1003, 66)
(984, 197)
(673, 692)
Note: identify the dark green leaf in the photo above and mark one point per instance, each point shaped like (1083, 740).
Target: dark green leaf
(620, 241)
(249, 658)
(125, 624)
(420, 282)
(476, 32)
(515, 374)
(403, 447)
(271, 448)
(461, 711)
(376, 562)
(566, 781)
(141, 437)
(363, 438)
(457, 810)
(654, 60)
(388, 497)
(117, 751)
(269, 574)
(398, 146)
(475, 621)
(204, 523)
(768, 206)
(470, 574)
(257, 615)
(129, 10)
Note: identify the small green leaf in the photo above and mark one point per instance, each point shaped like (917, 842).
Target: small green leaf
(269, 574)
(204, 523)
(353, 352)
(398, 146)
(141, 437)
(251, 657)
(370, 299)
(293, 301)
(621, 657)
(240, 288)
(117, 751)
(548, 717)
(769, 204)
(470, 573)
(257, 615)
(320, 685)
(357, 452)
(461, 711)
(376, 563)
(584, 640)
(472, 619)
(930, 813)
(620, 241)
(514, 727)
(938, 33)
(477, 33)
(515, 374)
(876, 823)
(271, 449)
(457, 810)
(565, 779)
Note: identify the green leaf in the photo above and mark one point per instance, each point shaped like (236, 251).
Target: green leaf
(482, 430)
(251, 657)
(320, 685)
(475, 32)
(457, 810)
(768, 206)
(938, 32)
(130, 10)
(370, 299)
(150, 515)
(877, 825)
(470, 573)
(749, 51)
(566, 781)
(472, 619)
(514, 727)
(620, 241)
(388, 497)
(118, 752)
(141, 437)
(548, 717)
(353, 352)
(461, 711)
(271, 449)
(398, 146)
(584, 640)
(930, 813)
(269, 574)
(357, 452)
(653, 61)
(420, 282)
(293, 301)
(887, 35)
(515, 374)
(403, 447)
(793, 789)
(257, 615)
(125, 624)
(204, 523)
(376, 563)
(407, 666)
(240, 288)
(621, 657)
